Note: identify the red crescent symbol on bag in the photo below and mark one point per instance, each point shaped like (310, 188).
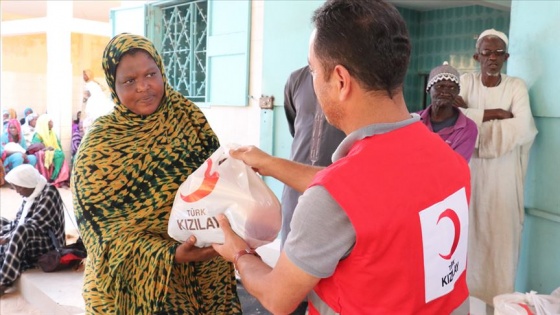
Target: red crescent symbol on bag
(206, 187)
(452, 215)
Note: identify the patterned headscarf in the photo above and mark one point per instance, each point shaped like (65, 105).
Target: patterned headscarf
(113, 53)
(125, 177)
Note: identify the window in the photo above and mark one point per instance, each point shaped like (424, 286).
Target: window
(204, 45)
(183, 47)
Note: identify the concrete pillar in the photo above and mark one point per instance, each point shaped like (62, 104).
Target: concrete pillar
(59, 70)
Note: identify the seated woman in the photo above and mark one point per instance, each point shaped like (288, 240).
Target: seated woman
(28, 129)
(442, 117)
(26, 238)
(50, 160)
(77, 136)
(13, 147)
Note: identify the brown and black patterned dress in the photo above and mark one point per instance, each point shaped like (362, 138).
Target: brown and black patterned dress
(127, 171)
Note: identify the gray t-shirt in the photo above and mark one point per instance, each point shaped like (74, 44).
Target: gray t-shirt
(321, 233)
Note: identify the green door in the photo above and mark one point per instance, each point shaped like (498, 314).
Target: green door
(287, 27)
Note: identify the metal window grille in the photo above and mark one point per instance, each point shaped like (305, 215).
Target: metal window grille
(184, 47)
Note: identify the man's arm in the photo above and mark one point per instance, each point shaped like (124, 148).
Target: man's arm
(296, 175)
(489, 114)
(280, 290)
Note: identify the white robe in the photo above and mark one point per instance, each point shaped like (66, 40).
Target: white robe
(498, 168)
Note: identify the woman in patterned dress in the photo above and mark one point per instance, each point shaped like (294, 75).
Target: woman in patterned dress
(128, 169)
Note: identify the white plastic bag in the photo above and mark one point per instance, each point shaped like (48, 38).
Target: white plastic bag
(12, 147)
(527, 303)
(225, 185)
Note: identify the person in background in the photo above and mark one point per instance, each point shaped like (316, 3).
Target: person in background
(128, 169)
(13, 148)
(7, 114)
(96, 101)
(28, 129)
(24, 239)
(445, 119)
(314, 139)
(76, 122)
(5, 118)
(382, 230)
(50, 159)
(26, 112)
(77, 136)
(499, 105)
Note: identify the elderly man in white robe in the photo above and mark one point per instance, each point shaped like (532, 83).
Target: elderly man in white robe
(499, 105)
(26, 238)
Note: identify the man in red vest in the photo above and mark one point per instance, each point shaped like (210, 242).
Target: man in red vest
(382, 230)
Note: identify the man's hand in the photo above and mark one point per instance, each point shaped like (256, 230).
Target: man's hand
(496, 114)
(232, 244)
(255, 158)
(187, 252)
(459, 102)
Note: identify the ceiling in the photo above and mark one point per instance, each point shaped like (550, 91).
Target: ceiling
(99, 10)
(89, 10)
(426, 5)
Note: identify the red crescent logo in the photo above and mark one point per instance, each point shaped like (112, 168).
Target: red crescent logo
(206, 187)
(452, 215)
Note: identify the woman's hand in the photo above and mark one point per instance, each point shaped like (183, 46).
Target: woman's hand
(187, 252)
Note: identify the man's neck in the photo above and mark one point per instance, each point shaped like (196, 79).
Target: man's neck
(491, 79)
(375, 108)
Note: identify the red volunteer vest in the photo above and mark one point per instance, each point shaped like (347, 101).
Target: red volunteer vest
(406, 194)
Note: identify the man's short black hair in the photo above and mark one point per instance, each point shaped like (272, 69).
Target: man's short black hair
(367, 37)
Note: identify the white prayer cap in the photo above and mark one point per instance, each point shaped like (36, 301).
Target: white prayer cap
(492, 32)
(25, 175)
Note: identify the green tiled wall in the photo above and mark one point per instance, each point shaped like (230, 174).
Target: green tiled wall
(445, 35)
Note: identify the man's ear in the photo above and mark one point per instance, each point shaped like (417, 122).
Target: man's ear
(506, 57)
(343, 78)
(475, 57)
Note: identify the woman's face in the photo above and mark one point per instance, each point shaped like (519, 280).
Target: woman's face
(50, 124)
(13, 130)
(23, 191)
(139, 84)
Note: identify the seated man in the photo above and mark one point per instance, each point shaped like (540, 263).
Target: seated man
(442, 117)
(26, 238)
